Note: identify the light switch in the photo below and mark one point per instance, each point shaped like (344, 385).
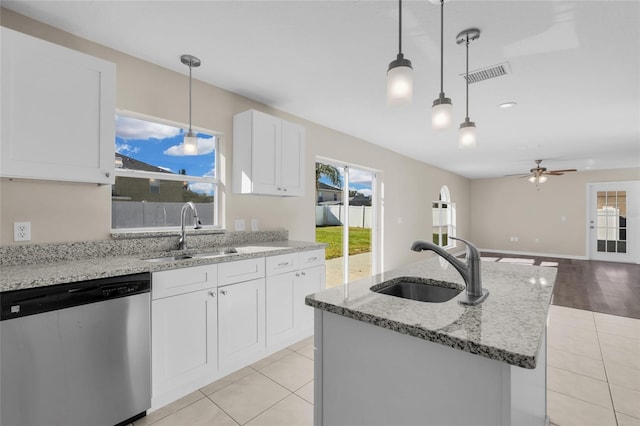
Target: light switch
(239, 224)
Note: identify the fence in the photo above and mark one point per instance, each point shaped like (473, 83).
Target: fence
(142, 214)
(333, 215)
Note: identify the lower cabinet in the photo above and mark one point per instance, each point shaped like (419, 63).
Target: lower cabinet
(208, 321)
(184, 332)
(311, 281)
(288, 319)
(241, 337)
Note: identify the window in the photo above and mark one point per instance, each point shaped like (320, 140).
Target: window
(444, 219)
(154, 178)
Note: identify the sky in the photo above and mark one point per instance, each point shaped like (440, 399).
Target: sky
(161, 145)
(359, 180)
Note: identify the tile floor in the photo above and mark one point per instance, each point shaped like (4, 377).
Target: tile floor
(593, 368)
(277, 390)
(593, 378)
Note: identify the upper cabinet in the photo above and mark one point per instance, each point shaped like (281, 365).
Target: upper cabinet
(58, 112)
(268, 155)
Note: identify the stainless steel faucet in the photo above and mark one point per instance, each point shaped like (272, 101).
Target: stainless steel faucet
(470, 270)
(182, 242)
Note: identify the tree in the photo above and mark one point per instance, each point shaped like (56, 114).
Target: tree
(330, 172)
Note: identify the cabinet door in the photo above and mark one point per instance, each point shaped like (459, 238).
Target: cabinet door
(58, 112)
(183, 339)
(266, 151)
(292, 159)
(241, 323)
(279, 308)
(311, 280)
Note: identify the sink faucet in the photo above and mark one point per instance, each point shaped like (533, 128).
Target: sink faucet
(182, 242)
(470, 270)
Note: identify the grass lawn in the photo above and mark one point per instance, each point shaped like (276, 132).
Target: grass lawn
(359, 240)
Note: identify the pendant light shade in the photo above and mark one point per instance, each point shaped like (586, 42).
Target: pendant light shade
(467, 131)
(538, 179)
(400, 72)
(190, 142)
(442, 109)
(467, 134)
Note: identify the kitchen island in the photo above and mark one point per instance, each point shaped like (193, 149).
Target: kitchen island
(384, 360)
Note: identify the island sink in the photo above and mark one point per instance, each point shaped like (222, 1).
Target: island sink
(416, 289)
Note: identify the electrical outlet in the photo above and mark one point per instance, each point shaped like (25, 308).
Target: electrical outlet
(239, 224)
(21, 231)
(254, 225)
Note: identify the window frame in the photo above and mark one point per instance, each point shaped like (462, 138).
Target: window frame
(140, 174)
(445, 199)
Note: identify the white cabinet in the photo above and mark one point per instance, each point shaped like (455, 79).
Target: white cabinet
(58, 112)
(268, 155)
(183, 331)
(290, 278)
(241, 324)
(208, 321)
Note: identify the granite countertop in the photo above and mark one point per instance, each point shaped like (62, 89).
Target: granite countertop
(18, 277)
(508, 326)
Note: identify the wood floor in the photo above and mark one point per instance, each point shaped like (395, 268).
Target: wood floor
(606, 287)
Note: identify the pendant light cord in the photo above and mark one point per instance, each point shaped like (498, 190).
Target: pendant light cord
(400, 27)
(441, 47)
(190, 130)
(467, 78)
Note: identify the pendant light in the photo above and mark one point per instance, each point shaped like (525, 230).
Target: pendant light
(442, 109)
(467, 132)
(400, 72)
(190, 142)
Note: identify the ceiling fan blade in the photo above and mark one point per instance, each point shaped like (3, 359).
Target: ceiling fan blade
(554, 173)
(518, 174)
(526, 176)
(563, 171)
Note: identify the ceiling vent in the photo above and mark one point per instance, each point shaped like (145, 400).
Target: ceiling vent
(488, 72)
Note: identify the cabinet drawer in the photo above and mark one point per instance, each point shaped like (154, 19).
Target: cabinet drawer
(185, 280)
(281, 263)
(241, 270)
(310, 258)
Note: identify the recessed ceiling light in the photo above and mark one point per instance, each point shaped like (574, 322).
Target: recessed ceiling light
(507, 105)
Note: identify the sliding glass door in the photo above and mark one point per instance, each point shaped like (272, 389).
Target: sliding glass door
(345, 220)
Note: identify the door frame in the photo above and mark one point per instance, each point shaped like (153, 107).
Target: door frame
(376, 238)
(633, 211)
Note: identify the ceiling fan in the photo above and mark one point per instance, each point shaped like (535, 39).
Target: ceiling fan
(539, 174)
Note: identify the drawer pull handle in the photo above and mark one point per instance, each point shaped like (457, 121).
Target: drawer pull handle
(212, 294)
(303, 274)
(224, 292)
(283, 264)
(297, 274)
(313, 259)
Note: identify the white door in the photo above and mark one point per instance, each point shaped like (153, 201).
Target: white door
(614, 217)
(241, 336)
(310, 280)
(266, 153)
(279, 306)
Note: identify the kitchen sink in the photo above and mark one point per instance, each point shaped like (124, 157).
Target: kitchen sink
(203, 255)
(420, 289)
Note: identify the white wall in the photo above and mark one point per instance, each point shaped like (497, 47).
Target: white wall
(62, 212)
(549, 220)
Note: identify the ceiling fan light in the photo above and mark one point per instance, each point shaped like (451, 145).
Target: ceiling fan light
(467, 134)
(190, 143)
(400, 81)
(532, 179)
(441, 113)
(542, 179)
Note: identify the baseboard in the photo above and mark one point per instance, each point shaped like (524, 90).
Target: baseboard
(530, 253)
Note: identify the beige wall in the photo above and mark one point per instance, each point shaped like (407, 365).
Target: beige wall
(61, 212)
(549, 220)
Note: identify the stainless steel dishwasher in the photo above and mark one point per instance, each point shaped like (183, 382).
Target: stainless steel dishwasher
(76, 354)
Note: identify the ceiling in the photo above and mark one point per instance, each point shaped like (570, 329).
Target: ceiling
(574, 69)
